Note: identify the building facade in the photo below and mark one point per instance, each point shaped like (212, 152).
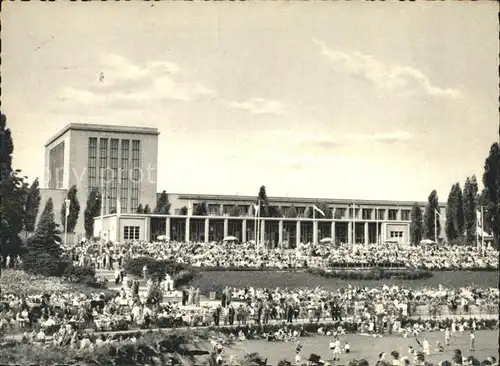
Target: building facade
(360, 221)
(121, 161)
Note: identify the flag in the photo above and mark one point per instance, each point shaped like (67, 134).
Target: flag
(317, 209)
(478, 218)
(256, 209)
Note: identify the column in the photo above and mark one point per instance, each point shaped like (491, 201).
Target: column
(315, 231)
(349, 232)
(332, 234)
(366, 234)
(280, 234)
(167, 228)
(262, 232)
(298, 233)
(206, 229)
(244, 231)
(226, 228)
(187, 229)
(147, 229)
(221, 212)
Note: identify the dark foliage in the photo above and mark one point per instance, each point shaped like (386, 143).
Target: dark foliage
(93, 209)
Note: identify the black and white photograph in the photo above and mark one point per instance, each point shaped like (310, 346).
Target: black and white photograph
(250, 183)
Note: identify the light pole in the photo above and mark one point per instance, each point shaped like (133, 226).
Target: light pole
(68, 203)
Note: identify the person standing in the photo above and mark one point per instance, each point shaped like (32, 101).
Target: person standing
(426, 347)
(472, 337)
(447, 336)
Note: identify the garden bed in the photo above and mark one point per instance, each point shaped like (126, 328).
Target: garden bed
(21, 283)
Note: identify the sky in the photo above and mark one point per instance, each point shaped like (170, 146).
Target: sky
(346, 100)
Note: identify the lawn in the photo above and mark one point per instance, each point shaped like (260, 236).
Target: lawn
(365, 347)
(209, 281)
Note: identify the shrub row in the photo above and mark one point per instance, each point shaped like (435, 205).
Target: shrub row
(48, 266)
(156, 268)
(372, 274)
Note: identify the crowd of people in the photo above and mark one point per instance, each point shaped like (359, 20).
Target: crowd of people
(369, 309)
(230, 255)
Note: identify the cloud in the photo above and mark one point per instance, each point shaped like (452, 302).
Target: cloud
(404, 79)
(124, 84)
(384, 137)
(330, 142)
(260, 106)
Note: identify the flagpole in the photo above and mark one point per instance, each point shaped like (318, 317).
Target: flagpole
(482, 228)
(257, 239)
(314, 222)
(477, 229)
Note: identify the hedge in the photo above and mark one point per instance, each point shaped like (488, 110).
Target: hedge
(372, 274)
(157, 268)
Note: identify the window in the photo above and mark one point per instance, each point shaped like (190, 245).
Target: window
(353, 212)
(56, 166)
(367, 214)
(405, 215)
(124, 176)
(131, 233)
(103, 165)
(396, 234)
(92, 162)
(114, 175)
(393, 215)
(136, 174)
(340, 213)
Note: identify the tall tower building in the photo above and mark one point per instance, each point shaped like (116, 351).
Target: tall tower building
(121, 161)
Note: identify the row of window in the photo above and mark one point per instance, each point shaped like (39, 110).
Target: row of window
(396, 234)
(340, 213)
(131, 232)
(108, 162)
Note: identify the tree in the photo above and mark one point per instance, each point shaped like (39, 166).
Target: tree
(162, 205)
(46, 238)
(201, 209)
(431, 219)
(275, 211)
(235, 211)
(470, 199)
(147, 209)
(13, 193)
(74, 210)
(490, 197)
(183, 211)
(291, 212)
(450, 229)
(31, 206)
(93, 209)
(140, 209)
(264, 202)
(416, 224)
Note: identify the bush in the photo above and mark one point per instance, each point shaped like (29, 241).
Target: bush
(156, 268)
(372, 274)
(184, 278)
(44, 264)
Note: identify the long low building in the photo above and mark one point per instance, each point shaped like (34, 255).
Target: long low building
(360, 221)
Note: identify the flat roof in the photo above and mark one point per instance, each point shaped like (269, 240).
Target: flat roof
(303, 200)
(103, 128)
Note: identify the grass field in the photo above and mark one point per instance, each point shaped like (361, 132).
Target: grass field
(368, 348)
(271, 279)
